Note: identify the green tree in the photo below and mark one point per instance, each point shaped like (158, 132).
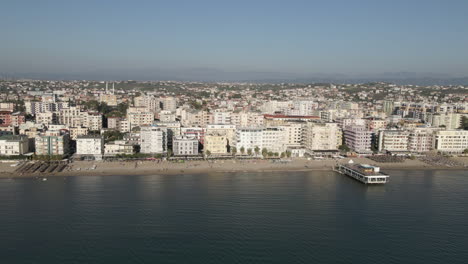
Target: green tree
(242, 150)
(234, 151)
(264, 152)
(208, 153)
(344, 148)
(257, 150)
(465, 151)
(169, 153)
(464, 123)
(288, 153)
(249, 152)
(282, 155)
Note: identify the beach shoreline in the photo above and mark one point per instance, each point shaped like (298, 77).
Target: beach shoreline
(140, 168)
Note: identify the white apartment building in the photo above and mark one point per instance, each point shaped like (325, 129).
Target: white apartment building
(153, 140)
(393, 140)
(90, 145)
(11, 145)
(249, 138)
(451, 141)
(186, 146)
(358, 138)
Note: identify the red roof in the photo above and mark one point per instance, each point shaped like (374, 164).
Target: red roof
(291, 116)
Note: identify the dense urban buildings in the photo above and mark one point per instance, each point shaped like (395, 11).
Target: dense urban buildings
(93, 119)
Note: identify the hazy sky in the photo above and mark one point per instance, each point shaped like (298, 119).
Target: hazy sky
(290, 36)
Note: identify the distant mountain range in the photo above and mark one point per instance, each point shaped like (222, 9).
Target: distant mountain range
(214, 75)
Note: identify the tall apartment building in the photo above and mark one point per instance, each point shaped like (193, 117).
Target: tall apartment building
(139, 116)
(293, 134)
(168, 103)
(358, 138)
(274, 139)
(93, 121)
(393, 140)
(320, 136)
(150, 102)
(52, 143)
(249, 138)
(421, 140)
(153, 140)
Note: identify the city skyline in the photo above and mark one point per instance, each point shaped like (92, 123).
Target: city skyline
(259, 40)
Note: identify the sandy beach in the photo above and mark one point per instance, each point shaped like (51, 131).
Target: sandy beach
(100, 168)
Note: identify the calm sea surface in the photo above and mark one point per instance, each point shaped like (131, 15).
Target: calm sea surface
(294, 217)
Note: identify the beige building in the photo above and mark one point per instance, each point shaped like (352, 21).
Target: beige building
(139, 116)
(118, 147)
(225, 129)
(75, 132)
(216, 143)
(321, 136)
(46, 118)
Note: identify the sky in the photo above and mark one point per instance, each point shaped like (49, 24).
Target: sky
(241, 39)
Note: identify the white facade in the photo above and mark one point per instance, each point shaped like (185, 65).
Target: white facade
(185, 146)
(153, 140)
(451, 141)
(13, 145)
(90, 145)
(249, 138)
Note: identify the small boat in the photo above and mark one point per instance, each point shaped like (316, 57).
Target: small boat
(44, 179)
